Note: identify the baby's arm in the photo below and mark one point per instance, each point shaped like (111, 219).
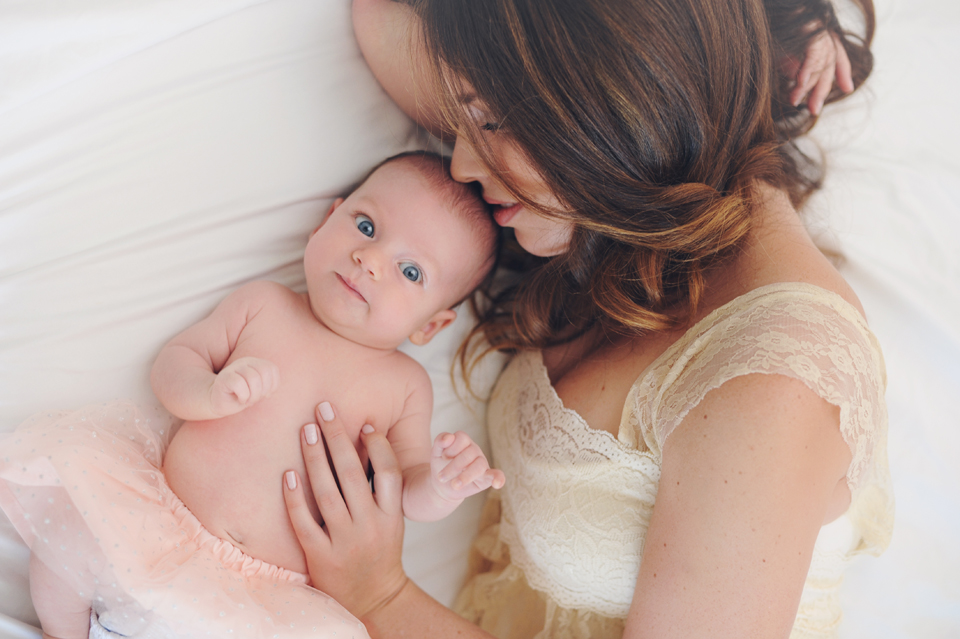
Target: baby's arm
(437, 478)
(63, 613)
(189, 377)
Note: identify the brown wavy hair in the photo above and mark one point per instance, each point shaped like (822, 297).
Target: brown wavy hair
(651, 121)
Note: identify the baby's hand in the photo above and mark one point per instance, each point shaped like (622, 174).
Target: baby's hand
(459, 469)
(242, 384)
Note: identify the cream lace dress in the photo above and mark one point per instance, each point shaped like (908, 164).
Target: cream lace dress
(559, 551)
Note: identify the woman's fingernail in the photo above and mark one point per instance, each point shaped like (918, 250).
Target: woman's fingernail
(326, 411)
(367, 429)
(310, 434)
(291, 479)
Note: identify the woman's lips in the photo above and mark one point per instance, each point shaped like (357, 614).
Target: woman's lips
(350, 287)
(505, 212)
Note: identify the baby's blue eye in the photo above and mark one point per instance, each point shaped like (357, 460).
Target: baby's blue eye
(365, 225)
(411, 271)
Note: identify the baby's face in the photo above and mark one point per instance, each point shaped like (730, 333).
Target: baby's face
(390, 260)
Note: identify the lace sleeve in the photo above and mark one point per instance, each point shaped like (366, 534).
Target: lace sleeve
(806, 333)
(796, 330)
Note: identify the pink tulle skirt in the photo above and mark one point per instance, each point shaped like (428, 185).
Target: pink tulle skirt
(86, 492)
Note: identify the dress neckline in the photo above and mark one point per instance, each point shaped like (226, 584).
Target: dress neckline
(845, 308)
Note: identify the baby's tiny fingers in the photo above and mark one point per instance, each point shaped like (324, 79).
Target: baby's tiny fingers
(270, 374)
(458, 463)
(496, 477)
(461, 442)
(844, 69)
(238, 386)
(441, 443)
(472, 472)
(819, 94)
(254, 381)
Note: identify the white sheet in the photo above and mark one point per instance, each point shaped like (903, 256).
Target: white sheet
(155, 155)
(892, 202)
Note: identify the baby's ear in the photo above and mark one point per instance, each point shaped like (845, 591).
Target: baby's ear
(337, 202)
(434, 325)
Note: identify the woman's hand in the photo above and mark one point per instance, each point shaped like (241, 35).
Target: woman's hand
(824, 61)
(355, 556)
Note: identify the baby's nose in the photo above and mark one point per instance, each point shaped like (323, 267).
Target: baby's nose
(369, 261)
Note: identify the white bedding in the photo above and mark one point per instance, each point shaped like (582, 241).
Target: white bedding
(155, 155)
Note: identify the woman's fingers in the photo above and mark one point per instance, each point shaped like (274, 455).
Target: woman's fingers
(354, 485)
(322, 479)
(357, 559)
(387, 479)
(308, 532)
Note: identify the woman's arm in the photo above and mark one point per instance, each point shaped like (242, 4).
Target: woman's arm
(748, 479)
(355, 556)
(389, 37)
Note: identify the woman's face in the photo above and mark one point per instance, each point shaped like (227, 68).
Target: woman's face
(538, 234)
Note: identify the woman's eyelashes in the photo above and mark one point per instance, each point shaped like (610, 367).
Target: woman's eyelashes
(480, 117)
(364, 224)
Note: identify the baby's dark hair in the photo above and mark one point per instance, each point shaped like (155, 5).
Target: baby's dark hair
(463, 199)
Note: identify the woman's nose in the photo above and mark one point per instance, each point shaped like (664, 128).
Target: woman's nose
(464, 166)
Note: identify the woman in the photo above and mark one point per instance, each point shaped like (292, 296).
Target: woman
(679, 339)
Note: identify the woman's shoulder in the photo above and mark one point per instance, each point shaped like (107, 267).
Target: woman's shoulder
(766, 347)
(780, 251)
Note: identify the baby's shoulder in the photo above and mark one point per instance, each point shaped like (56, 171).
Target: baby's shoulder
(265, 289)
(264, 294)
(411, 370)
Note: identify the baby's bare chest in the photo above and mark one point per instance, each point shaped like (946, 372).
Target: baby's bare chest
(365, 385)
(227, 471)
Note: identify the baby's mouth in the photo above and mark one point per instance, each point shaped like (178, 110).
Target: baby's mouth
(350, 287)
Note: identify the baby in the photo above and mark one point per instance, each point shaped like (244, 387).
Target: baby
(387, 264)
(217, 555)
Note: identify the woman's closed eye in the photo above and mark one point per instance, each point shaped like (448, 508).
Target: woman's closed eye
(364, 224)
(411, 271)
(493, 127)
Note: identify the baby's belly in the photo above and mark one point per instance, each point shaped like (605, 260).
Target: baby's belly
(229, 473)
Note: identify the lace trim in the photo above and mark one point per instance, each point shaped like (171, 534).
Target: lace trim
(596, 494)
(579, 501)
(797, 330)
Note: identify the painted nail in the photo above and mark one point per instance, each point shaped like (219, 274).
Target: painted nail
(367, 429)
(326, 411)
(291, 479)
(310, 434)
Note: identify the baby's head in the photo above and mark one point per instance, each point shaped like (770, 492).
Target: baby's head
(391, 260)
